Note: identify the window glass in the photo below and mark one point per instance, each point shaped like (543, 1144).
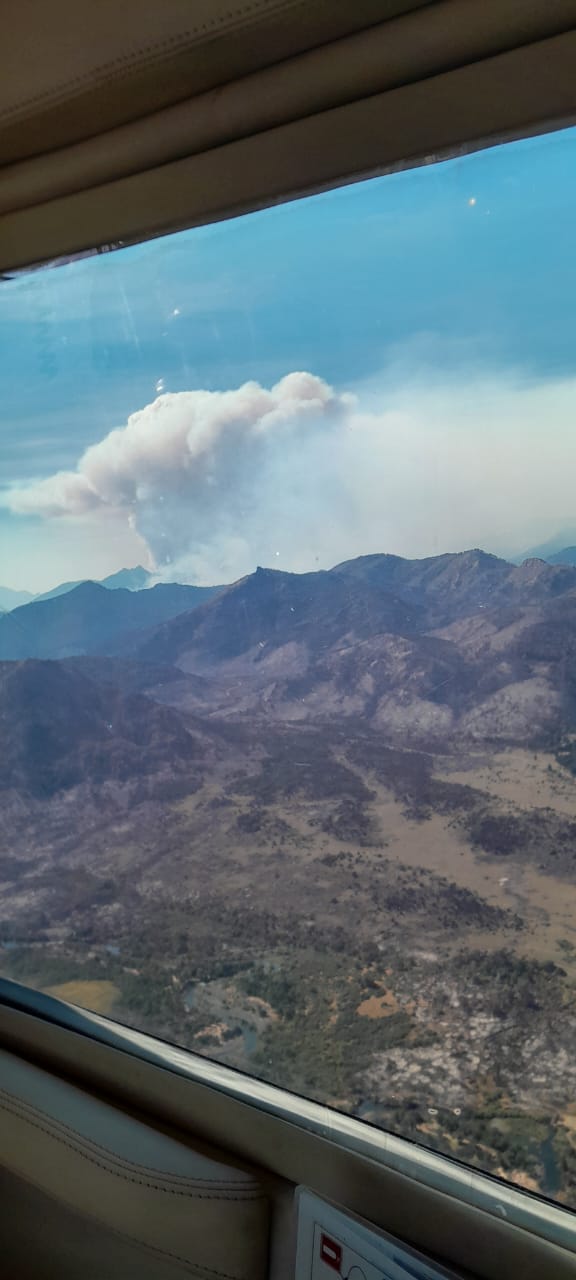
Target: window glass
(288, 648)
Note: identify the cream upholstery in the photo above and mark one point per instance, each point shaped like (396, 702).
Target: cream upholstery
(135, 1200)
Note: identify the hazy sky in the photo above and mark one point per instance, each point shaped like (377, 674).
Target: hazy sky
(434, 311)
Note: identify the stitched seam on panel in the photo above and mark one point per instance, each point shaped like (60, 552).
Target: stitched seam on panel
(18, 1105)
(154, 53)
(157, 50)
(101, 1164)
(196, 1268)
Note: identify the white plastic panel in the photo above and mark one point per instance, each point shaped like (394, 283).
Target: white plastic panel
(334, 1245)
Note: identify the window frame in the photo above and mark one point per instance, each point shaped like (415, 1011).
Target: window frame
(428, 1199)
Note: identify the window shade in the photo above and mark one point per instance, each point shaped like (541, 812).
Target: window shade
(120, 121)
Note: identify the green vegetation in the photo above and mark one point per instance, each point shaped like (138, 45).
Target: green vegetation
(513, 984)
(278, 987)
(324, 1018)
(320, 1042)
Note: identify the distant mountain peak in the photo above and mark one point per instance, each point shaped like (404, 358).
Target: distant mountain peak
(10, 599)
(566, 556)
(87, 588)
(136, 579)
(91, 619)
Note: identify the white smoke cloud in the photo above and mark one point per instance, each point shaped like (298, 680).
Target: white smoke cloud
(300, 476)
(190, 470)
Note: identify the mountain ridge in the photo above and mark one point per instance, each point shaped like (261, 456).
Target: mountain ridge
(89, 618)
(463, 646)
(458, 646)
(136, 579)
(10, 599)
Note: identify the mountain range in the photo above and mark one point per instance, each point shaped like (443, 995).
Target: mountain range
(90, 619)
(464, 647)
(137, 579)
(454, 646)
(10, 599)
(320, 827)
(566, 556)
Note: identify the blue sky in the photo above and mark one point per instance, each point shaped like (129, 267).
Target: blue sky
(466, 265)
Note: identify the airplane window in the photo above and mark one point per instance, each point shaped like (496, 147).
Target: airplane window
(288, 648)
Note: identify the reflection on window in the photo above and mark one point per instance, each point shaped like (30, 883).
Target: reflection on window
(288, 649)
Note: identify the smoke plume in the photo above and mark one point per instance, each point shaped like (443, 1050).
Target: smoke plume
(300, 476)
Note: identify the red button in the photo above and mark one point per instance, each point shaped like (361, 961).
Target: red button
(331, 1253)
